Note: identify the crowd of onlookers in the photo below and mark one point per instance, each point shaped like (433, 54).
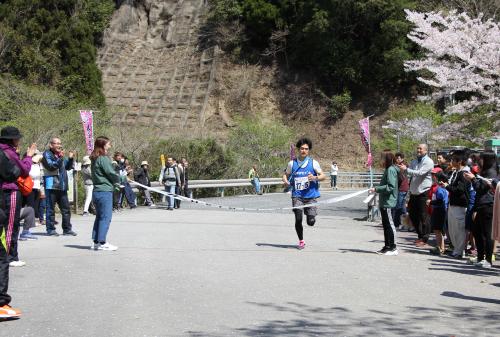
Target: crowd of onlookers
(456, 199)
(453, 198)
(33, 183)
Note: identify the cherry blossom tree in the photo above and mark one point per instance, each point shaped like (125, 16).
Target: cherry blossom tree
(462, 59)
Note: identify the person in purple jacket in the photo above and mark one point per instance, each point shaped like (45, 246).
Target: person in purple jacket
(9, 144)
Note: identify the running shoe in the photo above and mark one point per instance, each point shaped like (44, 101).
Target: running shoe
(302, 244)
(8, 312)
(391, 252)
(107, 246)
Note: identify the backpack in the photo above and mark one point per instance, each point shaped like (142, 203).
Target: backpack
(25, 185)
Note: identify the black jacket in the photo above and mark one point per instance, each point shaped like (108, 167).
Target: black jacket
(142, 177)
(485, 194)
(459, 189)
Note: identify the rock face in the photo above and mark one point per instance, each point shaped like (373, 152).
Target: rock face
(153, 69)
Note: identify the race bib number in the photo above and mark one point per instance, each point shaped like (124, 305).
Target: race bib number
(301, 183)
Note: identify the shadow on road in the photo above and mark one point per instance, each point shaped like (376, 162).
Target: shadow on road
(87, 247)
(353, 250)
(275, 245)
(471, 298)
(297, 319)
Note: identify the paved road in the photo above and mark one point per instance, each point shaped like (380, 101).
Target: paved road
(194, 272)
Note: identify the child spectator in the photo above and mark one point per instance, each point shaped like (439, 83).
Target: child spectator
(439, 204)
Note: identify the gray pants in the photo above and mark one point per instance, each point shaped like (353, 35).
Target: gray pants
(147, 197)
(28, 215)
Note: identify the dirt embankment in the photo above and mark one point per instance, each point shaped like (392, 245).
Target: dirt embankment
(257, 91)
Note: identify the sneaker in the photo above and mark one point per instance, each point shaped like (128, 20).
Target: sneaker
(486, 265)
(383, 250)
(85, 214)
(107, 246)
(391, 252)
(17, 263)
(302, 245)
(27, 236)
(170, 209)
(70, 232)
(480, 263)
(94, 246)
(8, 312)
(52, 233)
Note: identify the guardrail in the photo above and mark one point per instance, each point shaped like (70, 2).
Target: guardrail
(344, 179)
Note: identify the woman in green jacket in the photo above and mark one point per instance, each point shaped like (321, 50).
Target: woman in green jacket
(388, 196)
(105, 180)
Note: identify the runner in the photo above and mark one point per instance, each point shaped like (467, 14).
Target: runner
(303, 175)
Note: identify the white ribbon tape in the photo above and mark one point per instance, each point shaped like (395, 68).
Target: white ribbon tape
(207, 204)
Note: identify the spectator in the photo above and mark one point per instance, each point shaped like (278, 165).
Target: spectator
(142, 177)
(55, 180)
(169, 177)
(89, 185)
(419, 172)
(403, 186)
(179, 185)
(9, 144)
(122, 168)
(496, 213)
(253, 175)
(105, 180)
(484, 185)
(439, 204)
(334, 170)
(185, 165)
(28, 215)
(9, 172)
(127, 189)
(388, 191)
(458, 188)
(36, 198)
(443, 162)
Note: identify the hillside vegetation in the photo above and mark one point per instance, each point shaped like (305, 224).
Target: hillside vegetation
(287, 68)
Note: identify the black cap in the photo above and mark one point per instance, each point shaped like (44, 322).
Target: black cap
(10, 132)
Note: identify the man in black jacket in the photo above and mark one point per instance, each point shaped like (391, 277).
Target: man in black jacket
(8, 172)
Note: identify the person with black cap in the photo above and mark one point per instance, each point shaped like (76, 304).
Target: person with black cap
(9, 172)
(11, 196)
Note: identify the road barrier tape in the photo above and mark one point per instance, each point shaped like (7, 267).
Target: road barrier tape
(208, 204)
